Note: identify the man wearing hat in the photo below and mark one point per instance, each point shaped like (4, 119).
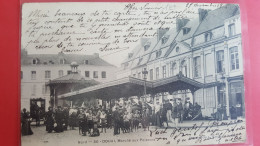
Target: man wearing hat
(187, 109)
(59, 120)
(178, 112)
(168, 108)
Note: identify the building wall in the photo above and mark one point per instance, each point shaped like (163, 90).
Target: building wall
(36, 88)
(229, 81)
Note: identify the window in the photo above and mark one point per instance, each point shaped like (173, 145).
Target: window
(87, 74)
(158, 53)
(51, 62)
(95, 74)
(134, 75)
(220, 61)
(208, 36)
(103, 74)
(139, 75)
(60, 73)
(164, 71)
(21, 75)
(147, 45)
(234, 59)
(157, 73)
(164, 40)
(173, 69)
(151, 74)
(186, 30)
(85, 61)
(69, 72)
(177, 49)
(35, 61)
(198, 97)
(210, 98)
(231, 29)
(47, 74)
(33, 75)
(62, 61)
(197, 66)
(130, 55)
(184, 68)
(209, 64)
(139, 61)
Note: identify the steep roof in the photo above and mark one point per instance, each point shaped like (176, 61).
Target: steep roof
(26, 59)
(192, 25)
(216, 18)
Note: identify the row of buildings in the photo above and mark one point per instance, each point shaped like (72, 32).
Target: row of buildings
(203, 56)
(207, 49)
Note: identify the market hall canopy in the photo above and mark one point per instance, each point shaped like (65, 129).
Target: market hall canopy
(130, 86)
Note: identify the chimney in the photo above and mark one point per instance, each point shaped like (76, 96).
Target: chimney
(181, 23)
(96, 55)
(143, 41)
(161, 32)
(202, 14)
(130, 55)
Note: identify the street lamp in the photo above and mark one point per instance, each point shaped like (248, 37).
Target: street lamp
(145, 72)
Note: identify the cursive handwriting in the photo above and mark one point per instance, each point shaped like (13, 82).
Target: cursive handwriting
(212, 132)
(76, 27)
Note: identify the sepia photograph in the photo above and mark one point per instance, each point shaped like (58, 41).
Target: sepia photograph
(131, 73)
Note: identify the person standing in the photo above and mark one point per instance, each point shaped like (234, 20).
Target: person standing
(178, 112)
(103, 120)
(136, 117)
(188, 107)
(59, 120)
(157, 110)
(168, 107)
(26, 125)
(116, 121)
(49, 117)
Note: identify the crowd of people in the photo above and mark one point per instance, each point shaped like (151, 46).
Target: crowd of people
(123, 117)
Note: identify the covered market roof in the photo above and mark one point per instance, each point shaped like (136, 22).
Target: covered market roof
(130, 86)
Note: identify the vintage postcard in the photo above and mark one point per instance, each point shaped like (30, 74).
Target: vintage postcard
(96, 73)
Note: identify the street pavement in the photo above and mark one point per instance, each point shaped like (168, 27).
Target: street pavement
(72, 137)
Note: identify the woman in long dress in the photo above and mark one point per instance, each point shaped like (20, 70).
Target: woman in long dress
(26, 124)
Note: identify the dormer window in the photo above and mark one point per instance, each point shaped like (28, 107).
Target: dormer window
(185, 30)
(62, 61)
(51, 62)
(177, 49)
(130, 55)
(85, 61)
(164, 39)
(208, 36)
(147, 46)
(158, 53)
(126, 65)
(140, 60)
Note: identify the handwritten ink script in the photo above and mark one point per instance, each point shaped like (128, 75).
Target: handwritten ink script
(212, 132)
(207, 132)
(76, 27)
